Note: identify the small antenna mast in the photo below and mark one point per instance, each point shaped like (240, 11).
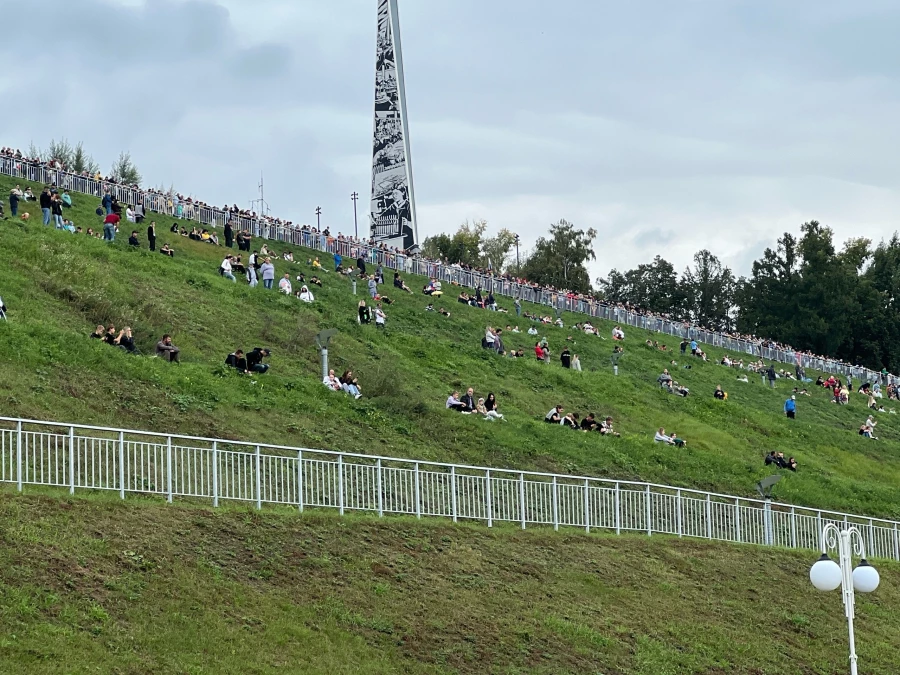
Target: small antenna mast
(260, 206)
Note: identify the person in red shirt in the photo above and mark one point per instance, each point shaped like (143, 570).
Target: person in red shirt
(109, 226)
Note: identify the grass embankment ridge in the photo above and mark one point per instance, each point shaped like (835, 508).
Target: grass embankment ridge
(94, 586)
(59, 286)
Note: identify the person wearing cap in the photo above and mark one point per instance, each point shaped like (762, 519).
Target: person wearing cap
(254, 360)
(790, 407)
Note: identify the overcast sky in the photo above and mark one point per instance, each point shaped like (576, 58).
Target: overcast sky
(667, 126)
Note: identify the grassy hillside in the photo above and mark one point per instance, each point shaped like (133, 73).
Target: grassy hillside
(59, 286)
(93, 586)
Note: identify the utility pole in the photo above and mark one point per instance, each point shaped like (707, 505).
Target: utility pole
(355, 197)
(318, 217)
(517, 255)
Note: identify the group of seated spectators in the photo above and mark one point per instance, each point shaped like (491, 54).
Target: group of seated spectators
(346, 383)
(667, 382)
(248, 363)
(468, 404)
(777, 459)
(867, 428)
(572, 420)
(123, 339)
(366, 314)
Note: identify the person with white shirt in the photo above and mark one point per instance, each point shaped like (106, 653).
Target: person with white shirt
(332, 382)
(306, 295)
(225, 268)
(129, 214)
(380, 316)
(285, 285)
(661, 437)
(618, 333)
(532, 331)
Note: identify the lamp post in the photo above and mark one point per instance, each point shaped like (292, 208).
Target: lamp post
(827, 575)
(355, 197)
(517, 255)
(318, 217)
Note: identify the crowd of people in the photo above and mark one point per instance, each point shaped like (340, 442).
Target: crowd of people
(558, 415)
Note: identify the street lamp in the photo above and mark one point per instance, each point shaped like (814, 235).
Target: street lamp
(318, 217)
(354, 197)
(827, 575)
(517, 254)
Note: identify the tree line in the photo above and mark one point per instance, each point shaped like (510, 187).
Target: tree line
(842, 302)
(77, 160)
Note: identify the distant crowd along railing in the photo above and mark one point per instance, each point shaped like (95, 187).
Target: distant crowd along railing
(73, 456)
(267, 229)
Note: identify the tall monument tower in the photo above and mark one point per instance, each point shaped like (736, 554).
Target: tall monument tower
(393, 212)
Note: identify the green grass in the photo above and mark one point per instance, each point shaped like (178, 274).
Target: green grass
(96, 586)
(59, 286)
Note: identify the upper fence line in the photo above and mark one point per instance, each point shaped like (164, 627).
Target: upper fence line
(75, 456)
(267, 229)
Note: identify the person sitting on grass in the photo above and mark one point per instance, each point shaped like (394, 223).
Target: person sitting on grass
(429, 307)
(332, 382)
(869, 427)
(237, 360)
(444, 312)
(288, 256)
(554, 416)
(491, 414)
(672, 439)
(133, 240)
(606, 428)
(99, 333)
(453, 403)
(350, 384)
(618, 333)
(306, 295)
(166, 350)
(399, 283)
(315, 280)
(664, 379)
(125, 340)
(720, 395)
(589, 423)
(165, 250)
(255, 360)
(380, 316)
(570, 420)
(285, 285)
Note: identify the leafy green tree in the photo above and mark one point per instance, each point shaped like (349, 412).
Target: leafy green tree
(82, 161)
(651, 286)
(124, 170)
(495, 250)
(560, 259)
(463, 247)
(708, 291)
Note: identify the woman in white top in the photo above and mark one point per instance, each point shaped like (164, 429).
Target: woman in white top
(380, 316)
(306, 295)
(576, 363)
(129, 214)
(661, 437)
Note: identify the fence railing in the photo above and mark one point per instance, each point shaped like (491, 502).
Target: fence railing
(73, 456)
(269, 229)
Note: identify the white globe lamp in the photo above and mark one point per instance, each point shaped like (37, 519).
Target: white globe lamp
(825, 574)
(865, 577)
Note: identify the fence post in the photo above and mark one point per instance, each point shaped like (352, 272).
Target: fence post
(555, 504)
(649, 507)
(587, 507)
(819, 527)
(737, 520)
(487, 497)
(793, 528)
(522, 499)
(708, 517)
(169, 469)
(122, 464)
(618, 511)
(300, 480)
(19, 455)
(215, 473)
(896, 543)
(679, 517)
(379, 485)
(453, 509)
(870, 545)
(340, 464)
(71, 460)
(258, 459)
(767, 521)
(418, 493)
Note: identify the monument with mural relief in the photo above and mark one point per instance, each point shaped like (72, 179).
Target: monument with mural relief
(393, 208)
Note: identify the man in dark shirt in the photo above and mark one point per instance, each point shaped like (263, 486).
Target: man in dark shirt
(46, 205)
(151, 235)
(469, 400)
(229, 236)
(566, 358)
(588, 423)
(237, 360)
(254, 360)
(133, 240)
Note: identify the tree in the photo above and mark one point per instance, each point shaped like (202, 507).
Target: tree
(495, 250)
(559, 260)
(654, 287)
(124, 170)
(81, 161)
(34, 152)
(61, 151)
(708, 291)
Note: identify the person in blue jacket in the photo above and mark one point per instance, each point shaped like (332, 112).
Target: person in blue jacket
(790, 407)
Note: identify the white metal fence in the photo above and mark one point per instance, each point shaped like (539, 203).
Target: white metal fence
(211, 216)
(74, 456)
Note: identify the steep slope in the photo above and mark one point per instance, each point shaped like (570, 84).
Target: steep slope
(90, 586)
(58, 286)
